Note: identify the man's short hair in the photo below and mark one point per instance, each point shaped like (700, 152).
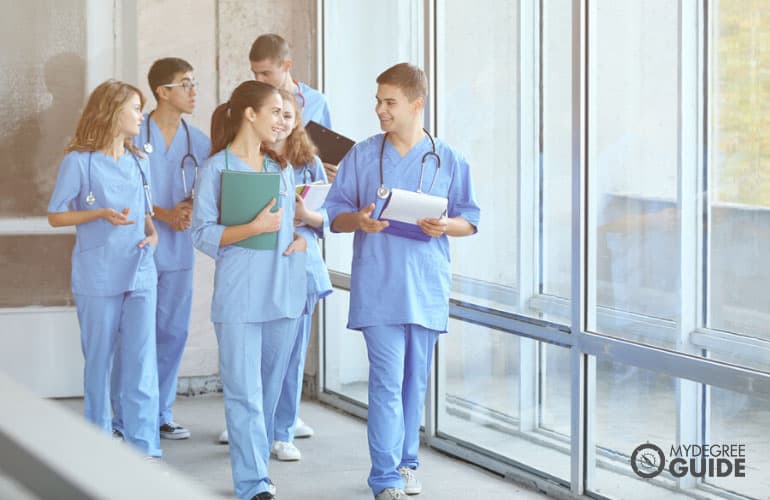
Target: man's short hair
(164, 70)
(408, 77)
(269, 46)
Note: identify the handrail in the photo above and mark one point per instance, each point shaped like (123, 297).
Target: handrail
(57, 455)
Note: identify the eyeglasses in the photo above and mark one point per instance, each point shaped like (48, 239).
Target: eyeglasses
(187, 85)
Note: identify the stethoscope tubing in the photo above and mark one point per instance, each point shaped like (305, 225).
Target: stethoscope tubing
(149, 149)
(383, 192)
(91, 199)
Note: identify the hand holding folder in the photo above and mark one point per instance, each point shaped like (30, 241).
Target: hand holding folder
(404, 208)
(243, 196)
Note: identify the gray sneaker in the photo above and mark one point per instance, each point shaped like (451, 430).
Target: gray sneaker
(412, 485)
(391, 494)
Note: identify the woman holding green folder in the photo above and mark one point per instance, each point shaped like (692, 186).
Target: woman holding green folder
(259, 295)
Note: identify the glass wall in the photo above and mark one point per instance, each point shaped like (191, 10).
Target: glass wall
(635, 150)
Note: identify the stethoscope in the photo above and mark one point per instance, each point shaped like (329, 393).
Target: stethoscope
(91, 199)
(305, 174)
(383, 192)
(149, 149)
(284, 184)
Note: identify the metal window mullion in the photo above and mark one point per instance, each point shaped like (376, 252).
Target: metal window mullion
(579, 361)
(437, 380)
(528, 216)
(687, 392)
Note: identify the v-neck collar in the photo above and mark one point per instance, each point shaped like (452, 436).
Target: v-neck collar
(395, 159)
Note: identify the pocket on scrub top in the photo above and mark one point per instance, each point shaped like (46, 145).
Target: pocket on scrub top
(89, 269)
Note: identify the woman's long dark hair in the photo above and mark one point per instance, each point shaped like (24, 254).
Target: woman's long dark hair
(227, 117)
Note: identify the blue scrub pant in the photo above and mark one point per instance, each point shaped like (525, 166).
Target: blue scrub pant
(399, 366)
(288, 405)
(253, 358)
(123, 323)
(172, 320)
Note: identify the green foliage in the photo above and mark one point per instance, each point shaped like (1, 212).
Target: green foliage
(741, 102)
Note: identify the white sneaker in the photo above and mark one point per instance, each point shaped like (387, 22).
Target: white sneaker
(224, 438)
(302, 430)
(117, 435)
(412, 485)
(285, 452)
(391, 494)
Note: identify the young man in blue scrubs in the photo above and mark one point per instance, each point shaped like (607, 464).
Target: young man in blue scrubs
(271, 63)
(399, 295)
(175, 148)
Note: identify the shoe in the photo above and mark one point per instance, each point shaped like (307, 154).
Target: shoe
(302, 430)
(224, 438)
(271, 487)
(117, 435)
(412, 485)
(390, 494)
(265, 495)
(285, 452)
(152, 460)
(172, 430)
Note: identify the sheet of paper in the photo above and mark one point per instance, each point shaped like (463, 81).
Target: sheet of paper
(316, 195)
(408, 206)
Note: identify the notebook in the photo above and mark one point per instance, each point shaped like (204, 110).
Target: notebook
(243, 196)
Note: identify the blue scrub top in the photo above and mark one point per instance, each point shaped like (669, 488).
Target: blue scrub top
(250, 286)
(397, 280)
(175, 248)
(106, 260)
(318, 282)
(316, 106)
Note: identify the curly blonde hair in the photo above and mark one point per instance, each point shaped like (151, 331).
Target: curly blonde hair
(98, 122)
(300, 150)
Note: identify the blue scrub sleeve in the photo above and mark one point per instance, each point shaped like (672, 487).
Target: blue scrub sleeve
(67, 184)
(462, 196)
(206, 230)
(326, 117)
(343, 195)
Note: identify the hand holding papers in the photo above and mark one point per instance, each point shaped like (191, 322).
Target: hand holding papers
(314, 194)
(310, 198)
(404, 208)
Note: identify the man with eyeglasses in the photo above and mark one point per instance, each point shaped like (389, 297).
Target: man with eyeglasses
(175, 150)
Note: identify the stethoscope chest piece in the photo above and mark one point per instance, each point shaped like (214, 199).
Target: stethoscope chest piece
(382, 192)
(148, 148)
(90, 199)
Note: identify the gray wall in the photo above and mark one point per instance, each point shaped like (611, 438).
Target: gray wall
(50, 48)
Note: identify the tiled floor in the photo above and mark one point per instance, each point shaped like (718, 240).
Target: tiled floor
(334, 464)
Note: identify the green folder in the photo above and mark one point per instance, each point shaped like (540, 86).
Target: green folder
(243, 196)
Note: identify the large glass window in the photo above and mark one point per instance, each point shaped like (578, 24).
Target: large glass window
(633, 108)
(506, 394)
(738, 196)
(674, 194)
